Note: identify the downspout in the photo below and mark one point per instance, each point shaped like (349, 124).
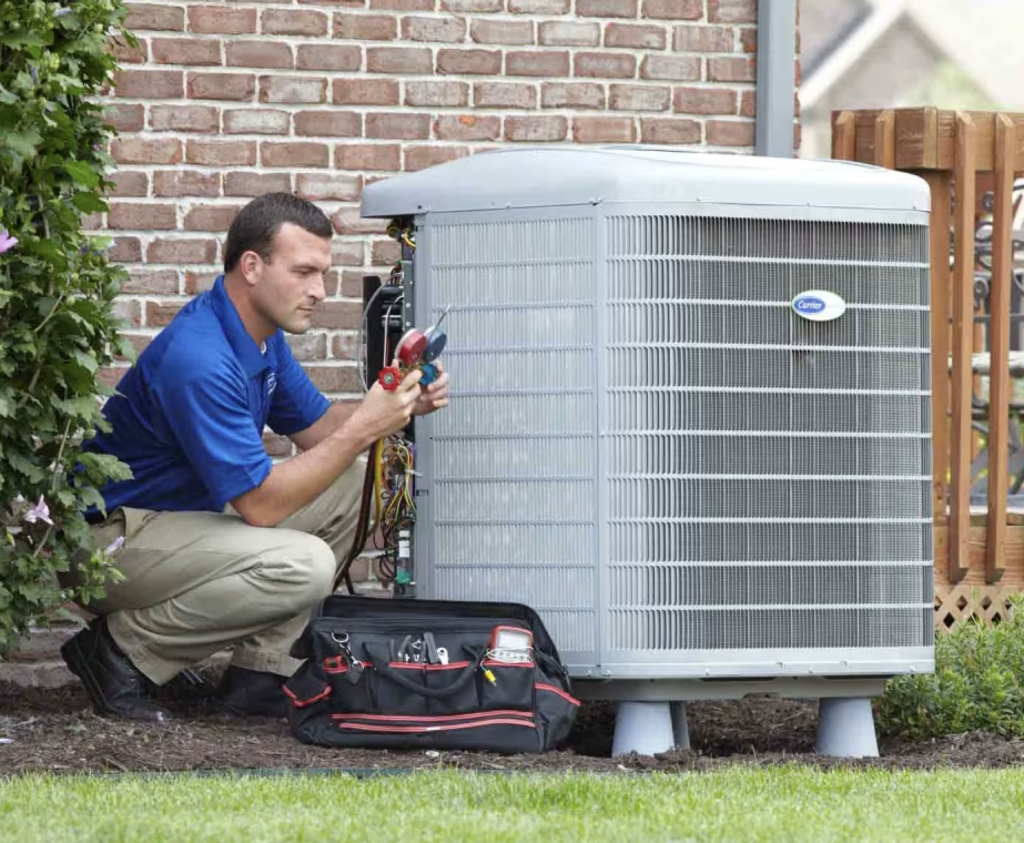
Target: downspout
(776, 77)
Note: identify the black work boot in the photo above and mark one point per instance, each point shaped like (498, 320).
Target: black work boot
(251, 693)
(116, 687)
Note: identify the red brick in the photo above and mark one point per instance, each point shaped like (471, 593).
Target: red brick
(328, 57)
(294, 154)
(705, 101)
(256, 184)
(130, 183)
(146, 150)
(350, 286)
(308, 347)
(317, 187)
(368, 156)
(539, 7)
(126, 250)
(669, 131)
(467, 127)
(748, 40)
(570, 33)
(185, 183)
(293, 22)
(640, 97)
(130, 311)
(404, 5)
(221, 86)
(179, 251)
(149, 84)
(256, 121)
(635, 36)
(293, 89)
(321, 123)
(472, 6)
(125, 53)
(732, 11)
(703, 39)
(674, 9)
(366, 27)
(731, 132)
(210, 217)
(443, 94)
(221, 20)
(485, 31)
(748, 103)
(537, 63)
(151, 282)
(449, 30)
(199, 282)
(144, 17)
(504, 95)
(606, 8)
(135, 215)
(469, 61)
(398, 126)
(398, 60)
(721, 69)
(186, 51)
(603, 130)
(184, 118)
(388, 252)
(337, 314)
(160, 313)
(532, 128)
(676, 68)
(348, 253)
(363, 91)
(333, 378)
(218, 153)
(572, 95)
(608, 65)
(260, 53)
(125, 117)
(421, 157)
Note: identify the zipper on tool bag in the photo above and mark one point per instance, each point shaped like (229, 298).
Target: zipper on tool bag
(441, 723)
(409, 624)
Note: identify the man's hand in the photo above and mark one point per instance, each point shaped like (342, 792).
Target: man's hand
(434, 396)
(386, 412)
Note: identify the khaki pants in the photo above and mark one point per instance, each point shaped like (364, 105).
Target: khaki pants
(199, 582)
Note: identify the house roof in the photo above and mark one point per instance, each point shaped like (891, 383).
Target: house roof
(983, 43)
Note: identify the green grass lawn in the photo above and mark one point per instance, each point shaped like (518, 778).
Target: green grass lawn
(737, 804)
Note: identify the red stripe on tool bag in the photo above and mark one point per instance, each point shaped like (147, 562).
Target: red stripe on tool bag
(373, 727)
(435, 718)
(540, 686)
(302, 703)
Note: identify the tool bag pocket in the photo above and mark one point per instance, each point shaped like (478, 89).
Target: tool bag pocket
(418, 674)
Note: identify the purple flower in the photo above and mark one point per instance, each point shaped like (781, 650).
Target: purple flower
(40, 512)
(6, 241)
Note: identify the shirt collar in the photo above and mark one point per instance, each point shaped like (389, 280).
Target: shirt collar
(245, 348)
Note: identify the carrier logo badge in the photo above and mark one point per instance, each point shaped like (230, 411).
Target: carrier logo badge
(818, 305)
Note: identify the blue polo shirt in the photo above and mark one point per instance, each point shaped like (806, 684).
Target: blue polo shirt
(190, 414)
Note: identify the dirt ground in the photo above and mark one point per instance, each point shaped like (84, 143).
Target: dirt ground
(55, 730)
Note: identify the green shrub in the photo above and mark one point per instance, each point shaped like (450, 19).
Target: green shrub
(978, 684)
(57, 289)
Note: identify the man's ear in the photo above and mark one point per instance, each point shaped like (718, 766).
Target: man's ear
(251, 265)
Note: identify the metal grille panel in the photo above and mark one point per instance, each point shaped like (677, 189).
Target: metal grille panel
(650, 448)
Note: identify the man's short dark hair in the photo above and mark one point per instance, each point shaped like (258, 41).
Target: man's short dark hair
(256, 225)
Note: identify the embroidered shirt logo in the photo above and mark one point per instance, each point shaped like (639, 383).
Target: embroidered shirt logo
(271, 383)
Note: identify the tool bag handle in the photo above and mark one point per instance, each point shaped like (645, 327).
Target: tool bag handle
(380, 659)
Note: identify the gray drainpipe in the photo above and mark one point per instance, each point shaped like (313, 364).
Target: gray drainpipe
(776, 80)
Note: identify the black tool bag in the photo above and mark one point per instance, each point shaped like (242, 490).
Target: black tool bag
(421, 674)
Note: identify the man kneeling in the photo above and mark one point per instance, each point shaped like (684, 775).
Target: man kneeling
(220, 547)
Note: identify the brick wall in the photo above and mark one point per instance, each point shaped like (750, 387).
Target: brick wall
(222, 101)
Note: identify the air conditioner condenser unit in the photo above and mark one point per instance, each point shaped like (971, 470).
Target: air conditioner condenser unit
(690, 420)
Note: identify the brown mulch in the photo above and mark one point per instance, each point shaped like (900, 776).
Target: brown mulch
(55, 730)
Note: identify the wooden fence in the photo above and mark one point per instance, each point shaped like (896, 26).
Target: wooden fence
(969, 160)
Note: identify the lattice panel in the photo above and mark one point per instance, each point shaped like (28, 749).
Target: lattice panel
(959, 603)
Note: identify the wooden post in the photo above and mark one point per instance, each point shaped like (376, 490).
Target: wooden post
(940, 182)
(965, 155)
(885, 140)
(999, 342)
(844, 137)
